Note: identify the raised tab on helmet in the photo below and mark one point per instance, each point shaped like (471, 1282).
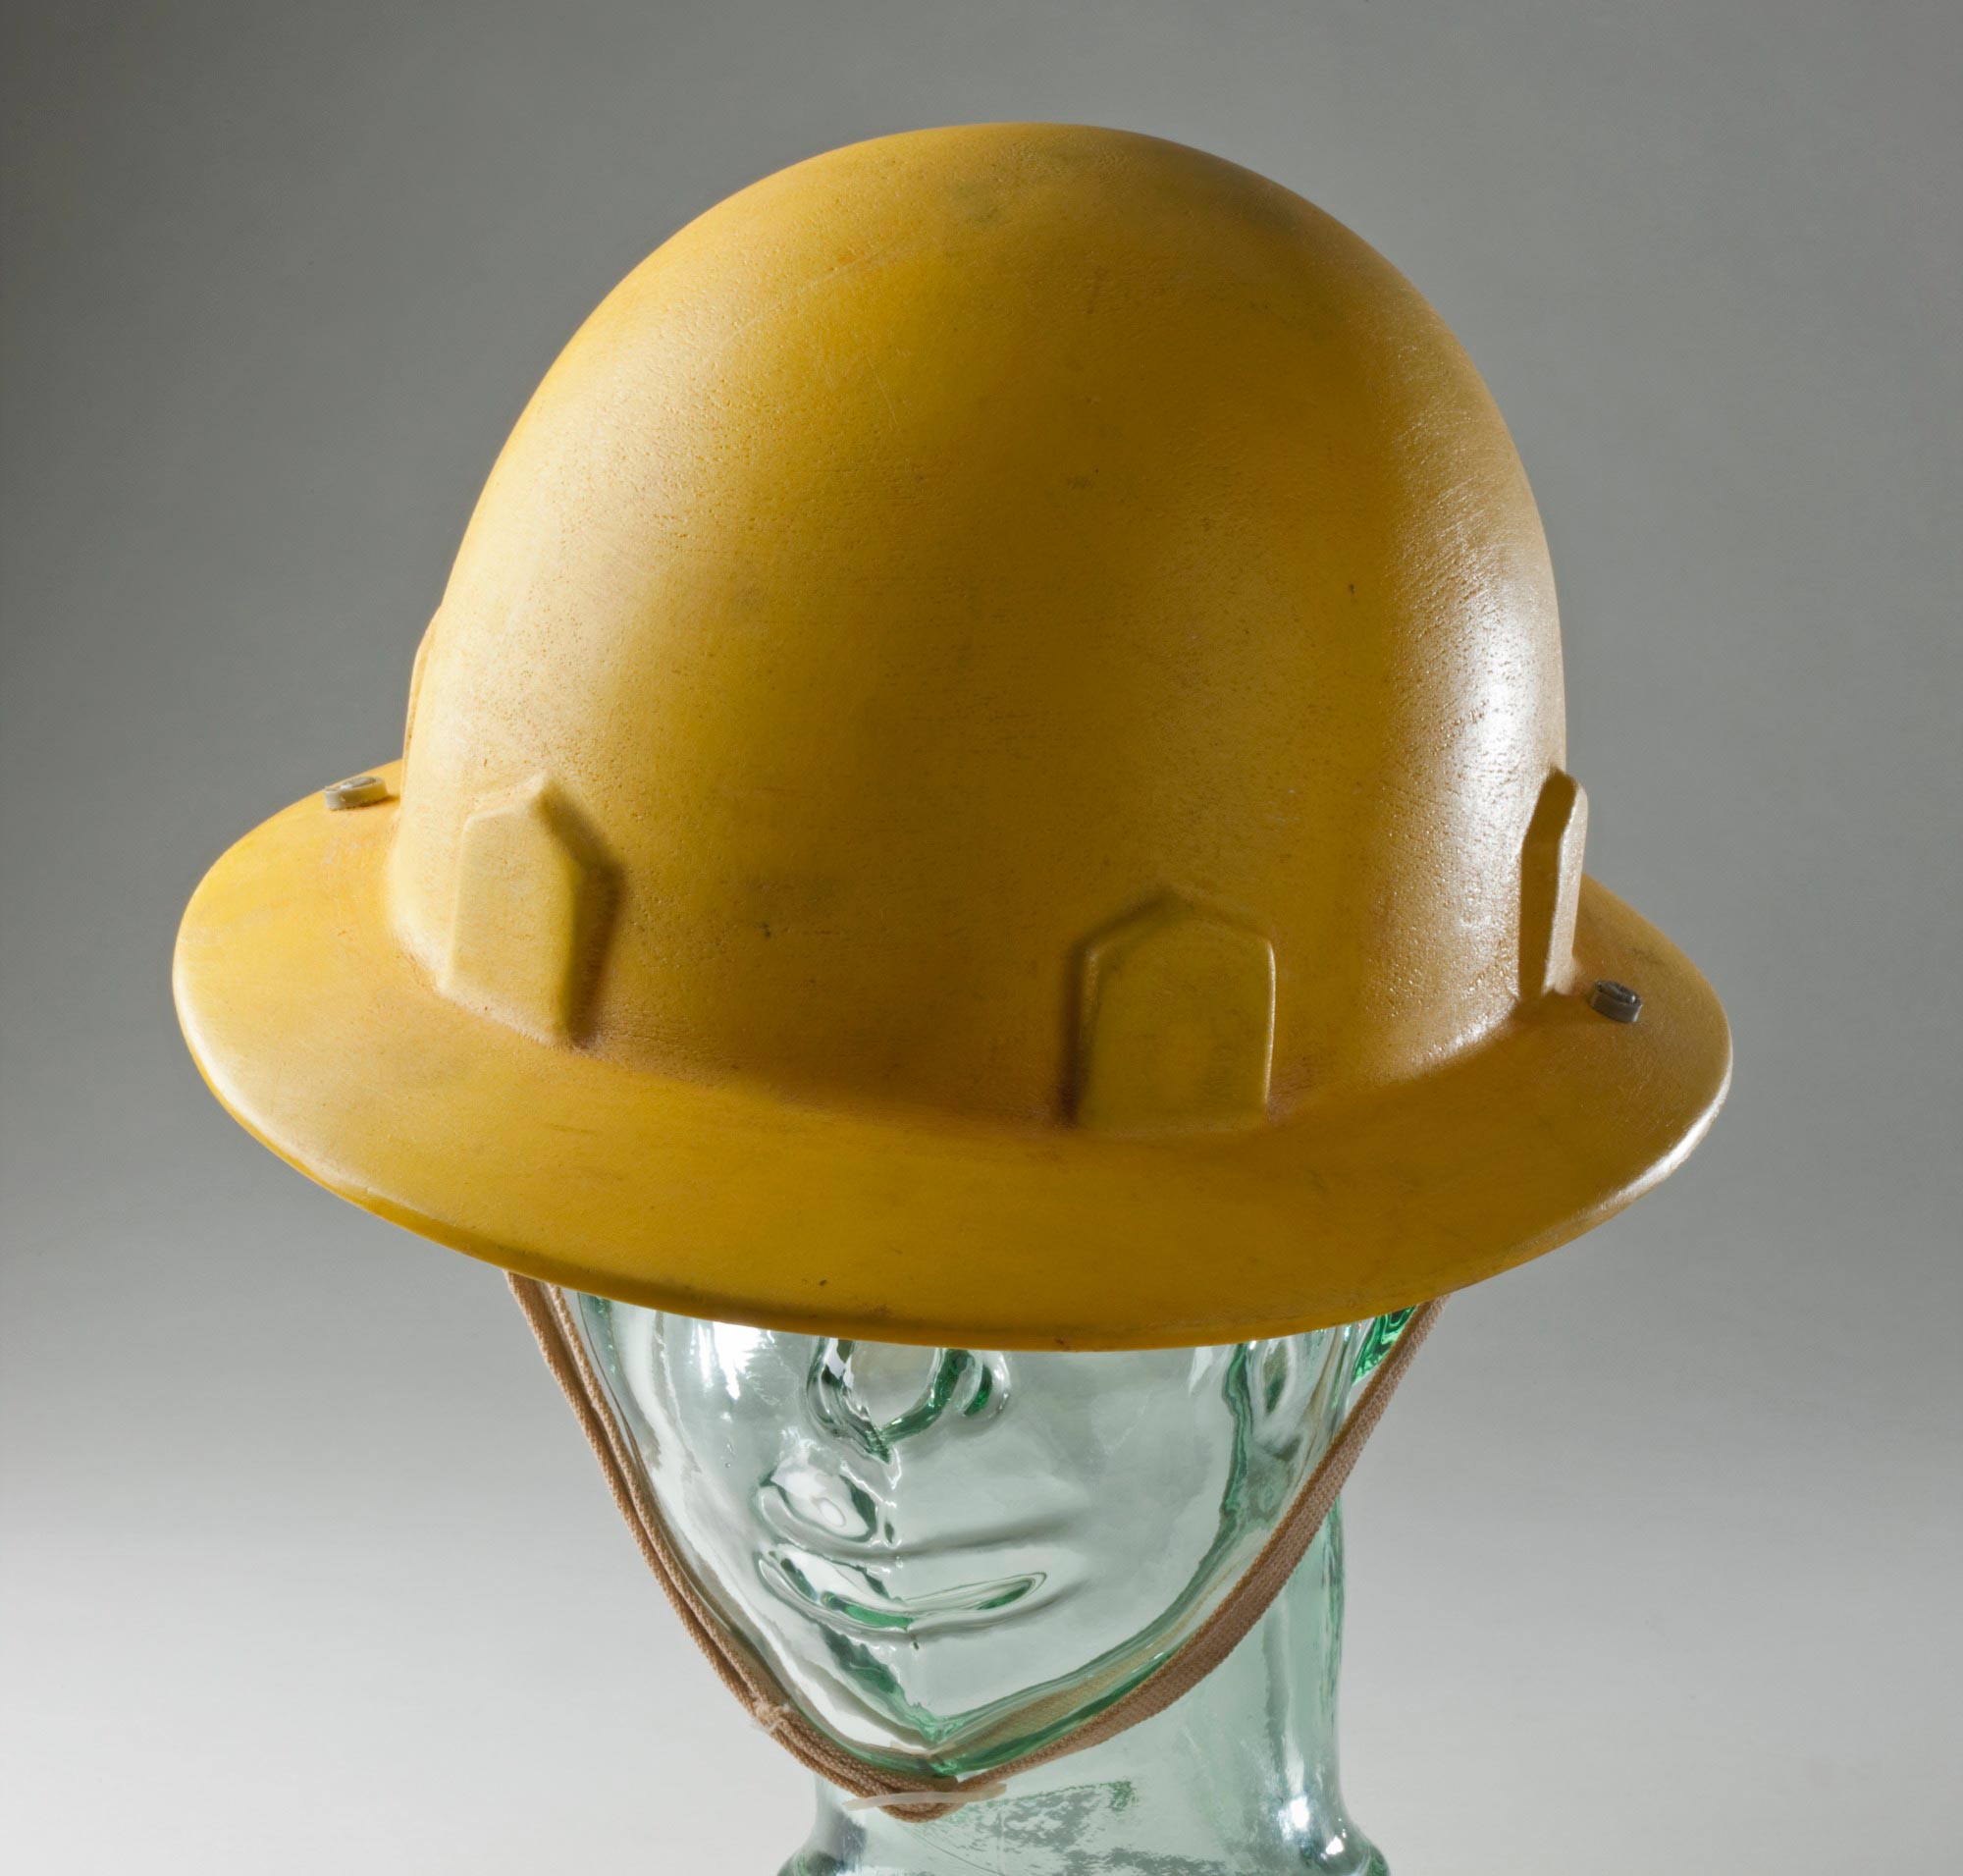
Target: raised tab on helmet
(1176, 1027)
(416, 682)
(534, 893)
(1551, 884)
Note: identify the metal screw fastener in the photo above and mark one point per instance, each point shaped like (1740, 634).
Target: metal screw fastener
(1616, 1001)
(358, 791)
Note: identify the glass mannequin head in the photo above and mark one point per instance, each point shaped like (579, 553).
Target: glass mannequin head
(947, 1556)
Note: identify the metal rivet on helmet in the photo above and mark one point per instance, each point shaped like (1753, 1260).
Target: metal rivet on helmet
(1616, 1001)
(358, 791)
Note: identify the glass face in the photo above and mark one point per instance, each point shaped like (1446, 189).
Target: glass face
(949, 1555)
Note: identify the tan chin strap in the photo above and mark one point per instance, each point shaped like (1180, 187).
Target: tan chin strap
(920, 1798)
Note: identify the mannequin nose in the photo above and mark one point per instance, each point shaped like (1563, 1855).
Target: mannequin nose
(876, 1395)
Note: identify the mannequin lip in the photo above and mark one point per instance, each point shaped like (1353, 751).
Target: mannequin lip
(789, 1572)
(799, 1492)
(804, 1536)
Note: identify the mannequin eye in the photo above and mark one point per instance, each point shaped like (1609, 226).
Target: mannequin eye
(1273, 1376)
(875, 1394)
(1283, 1376)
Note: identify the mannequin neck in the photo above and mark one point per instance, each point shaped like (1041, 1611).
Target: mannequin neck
(1237, 1778)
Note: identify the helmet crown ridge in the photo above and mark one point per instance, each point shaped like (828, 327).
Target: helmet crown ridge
(1028, 622)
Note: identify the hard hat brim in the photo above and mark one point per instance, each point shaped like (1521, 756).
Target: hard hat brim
(321, 1035)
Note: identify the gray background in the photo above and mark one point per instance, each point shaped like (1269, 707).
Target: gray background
(1653, 1568)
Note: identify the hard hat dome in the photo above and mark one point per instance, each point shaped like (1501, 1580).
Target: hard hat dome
(954, 552)
(989, 774)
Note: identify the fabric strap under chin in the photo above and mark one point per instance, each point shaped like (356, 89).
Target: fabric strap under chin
(920, 1798)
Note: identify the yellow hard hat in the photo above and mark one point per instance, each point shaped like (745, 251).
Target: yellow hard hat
(990, 773)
